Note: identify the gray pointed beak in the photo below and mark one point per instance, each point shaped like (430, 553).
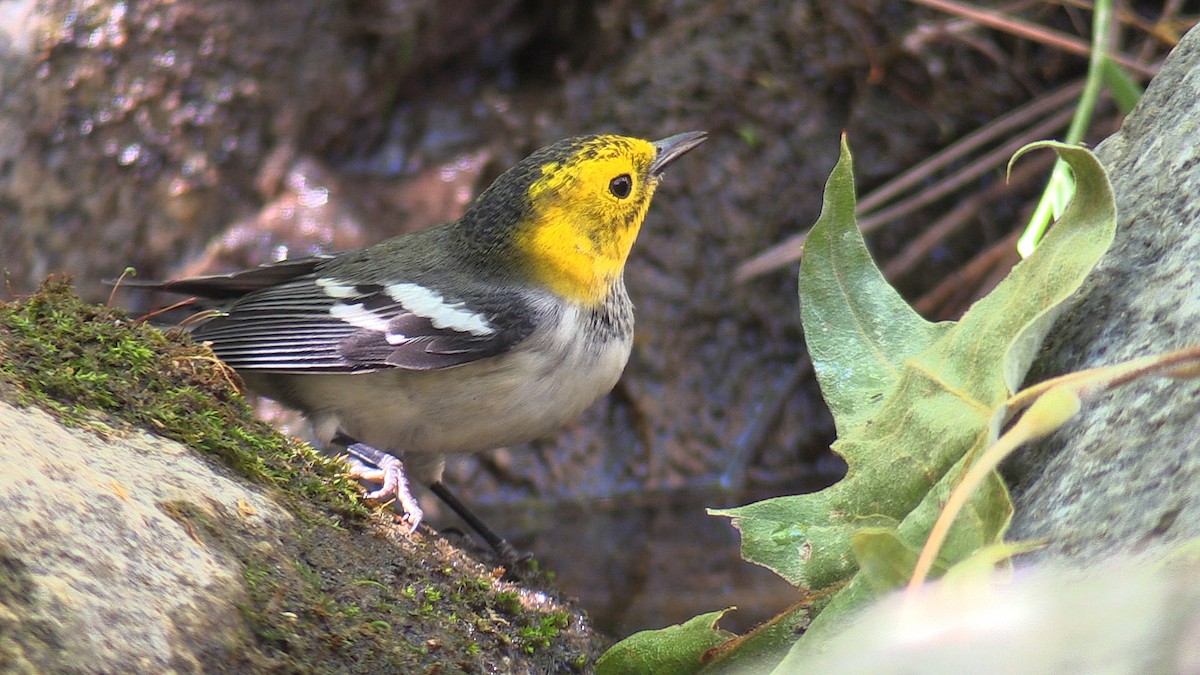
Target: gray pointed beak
(672, 148)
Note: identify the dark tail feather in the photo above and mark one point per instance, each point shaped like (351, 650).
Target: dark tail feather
(237, 284)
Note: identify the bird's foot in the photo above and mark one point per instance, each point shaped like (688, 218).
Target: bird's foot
(373, 465)
(388, 471)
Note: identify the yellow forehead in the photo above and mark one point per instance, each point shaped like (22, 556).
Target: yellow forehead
(591, 165)
(600, 150)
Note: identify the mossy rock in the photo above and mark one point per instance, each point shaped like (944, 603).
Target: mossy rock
(232, 547)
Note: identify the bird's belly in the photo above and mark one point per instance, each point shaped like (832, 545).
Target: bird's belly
(486, 404)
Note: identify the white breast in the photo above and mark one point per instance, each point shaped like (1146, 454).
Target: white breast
(515, 397)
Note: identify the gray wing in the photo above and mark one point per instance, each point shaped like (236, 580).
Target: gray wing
(318, 324)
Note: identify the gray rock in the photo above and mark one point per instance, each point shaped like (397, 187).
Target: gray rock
(1124, 476)
(121, 552)
(96, 575)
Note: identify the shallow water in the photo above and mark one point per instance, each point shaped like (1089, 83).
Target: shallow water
(646, 561)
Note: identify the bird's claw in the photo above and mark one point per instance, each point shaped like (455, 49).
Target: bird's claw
(389, 473)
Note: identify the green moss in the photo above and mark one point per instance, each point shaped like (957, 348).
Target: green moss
(75, 360)
(509, 600)
(542, 634)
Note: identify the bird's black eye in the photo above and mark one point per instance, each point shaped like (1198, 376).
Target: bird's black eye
(621, 186)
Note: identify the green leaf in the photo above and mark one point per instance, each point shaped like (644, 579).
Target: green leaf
(982, 563)
(886, 557)
(762, 648)
(1125, 90)
(859, 330)
(885, 562)
(676, 650)
(913, 399)
(982, 522)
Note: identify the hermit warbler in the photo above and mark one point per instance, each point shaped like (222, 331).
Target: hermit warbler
(488, 331)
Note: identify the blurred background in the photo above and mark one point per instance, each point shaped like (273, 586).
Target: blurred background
(201, 136)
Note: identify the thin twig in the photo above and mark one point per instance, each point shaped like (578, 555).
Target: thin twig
(970, 172)
(1032, 31)
(945, 226)
(968, 276)
(792, 248)
(997, 128)
(182, 303)
(117, 285)
(987, 133)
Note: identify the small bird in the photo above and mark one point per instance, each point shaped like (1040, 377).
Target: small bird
(491, 330)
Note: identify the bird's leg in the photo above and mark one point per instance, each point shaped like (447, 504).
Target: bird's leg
(387, 470)
(505, 551)
(372, 464)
